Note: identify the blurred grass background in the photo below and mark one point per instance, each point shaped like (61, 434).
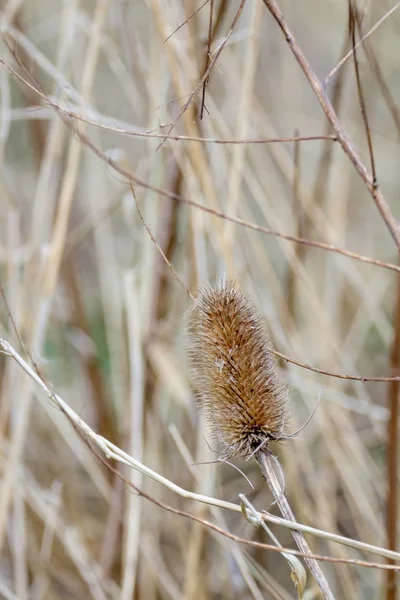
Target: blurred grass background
(102, 315)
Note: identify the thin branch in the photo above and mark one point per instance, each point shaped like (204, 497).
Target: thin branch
(212, 62)
(242, 222)
(337, 375)
(157, 245)
(142, 134)
(222, 10)
(348, 55)
(186, 21)
(330, 113)
(386, 93)
(353, 20)
(238, 221)
(208, 53)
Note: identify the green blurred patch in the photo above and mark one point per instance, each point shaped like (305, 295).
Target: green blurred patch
(98, 333)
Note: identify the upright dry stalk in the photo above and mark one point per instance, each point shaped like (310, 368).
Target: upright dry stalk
(392, 453)
(239, 389)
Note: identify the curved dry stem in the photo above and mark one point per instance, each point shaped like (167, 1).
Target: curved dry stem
(109, 450)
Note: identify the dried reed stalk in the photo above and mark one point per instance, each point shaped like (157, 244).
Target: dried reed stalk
(239, 389)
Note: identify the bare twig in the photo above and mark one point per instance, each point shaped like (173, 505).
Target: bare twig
(208, 53)
(237, 220)
(157, 245)
(72, 114)
(353, 20)
(328, 247)
(370, 32)
(130, 177)
(337, 375)
(386, 93)
(186, 20)
(329, 111)
(211, 64)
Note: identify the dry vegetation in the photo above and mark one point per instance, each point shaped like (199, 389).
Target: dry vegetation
(105, 225)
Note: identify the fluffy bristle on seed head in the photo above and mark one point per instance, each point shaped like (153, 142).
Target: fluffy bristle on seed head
(235, 371)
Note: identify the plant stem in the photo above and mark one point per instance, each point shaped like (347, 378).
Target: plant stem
(392, 452)
(264, 463)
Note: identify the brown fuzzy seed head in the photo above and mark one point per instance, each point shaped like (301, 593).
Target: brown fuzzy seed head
(235, 371)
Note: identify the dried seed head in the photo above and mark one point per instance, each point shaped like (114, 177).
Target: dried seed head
(235, 371)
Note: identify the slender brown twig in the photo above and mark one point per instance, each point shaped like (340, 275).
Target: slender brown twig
(386, 93)
(131, 177)
(71, 114)
(217, 213)
(211, 64)
(361, 41)
(157, 245)
(208, 53)
(330, 113)
(353, 21)
(242, 222)
(186, 21)
(337, 375)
